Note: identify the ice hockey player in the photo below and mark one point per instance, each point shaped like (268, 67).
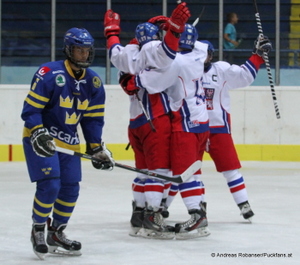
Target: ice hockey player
(219, 78)
(151, 148)
(182, 82)
(63, 94)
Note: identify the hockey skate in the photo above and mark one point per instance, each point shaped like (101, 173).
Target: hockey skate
(38, 240)
(136, 220)
(155, 227)
(246, 211)
(59, 244)
(164, 212)
(195, 227)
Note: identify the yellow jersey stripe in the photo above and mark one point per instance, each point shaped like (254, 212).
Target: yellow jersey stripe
(101, 106)
(98, 114)
(41, 98)
(34, 104)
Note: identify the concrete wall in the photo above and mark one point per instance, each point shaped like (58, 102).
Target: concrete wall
(254, 122)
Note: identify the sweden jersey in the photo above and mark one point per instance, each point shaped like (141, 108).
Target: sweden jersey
(60, 102)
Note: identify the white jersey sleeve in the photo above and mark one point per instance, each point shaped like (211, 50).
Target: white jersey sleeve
(182, 82)
(131, 59)
(217, 82)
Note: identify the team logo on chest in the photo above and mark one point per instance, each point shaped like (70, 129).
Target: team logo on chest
(60, 80)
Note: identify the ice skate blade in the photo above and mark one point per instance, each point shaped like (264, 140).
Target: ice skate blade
(134, 231)
(56, 250)
(41, 256)
(249, 220)
(152, 234)
(200, 232)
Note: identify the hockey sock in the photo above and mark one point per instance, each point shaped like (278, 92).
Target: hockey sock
(191, 194)
(45, 195)
(154, 190)
(65, 202)
(172, 193)
(138, 186)
(236, 184)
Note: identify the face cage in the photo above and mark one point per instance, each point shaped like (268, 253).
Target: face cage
(68, 50)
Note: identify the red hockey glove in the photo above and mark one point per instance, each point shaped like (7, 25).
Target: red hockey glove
(160, 21)
(127, 82)
(111, 24)
(179, 17)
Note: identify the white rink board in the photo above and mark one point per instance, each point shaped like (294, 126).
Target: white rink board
(253, 115)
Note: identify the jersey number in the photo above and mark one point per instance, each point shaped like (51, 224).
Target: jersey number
(199, 92)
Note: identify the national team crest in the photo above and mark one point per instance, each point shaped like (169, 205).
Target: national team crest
(96, 82)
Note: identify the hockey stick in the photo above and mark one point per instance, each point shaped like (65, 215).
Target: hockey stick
(266, 58)
(179, 179)
(145, 112)
(197, 19)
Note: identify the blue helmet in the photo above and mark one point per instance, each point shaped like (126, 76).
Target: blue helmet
(210, 52)
(146, 32)
(79, 37)
(188, 37)
(210, 48)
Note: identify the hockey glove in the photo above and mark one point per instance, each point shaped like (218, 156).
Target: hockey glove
(179, 17)
(160, 21)
(111, 24)
(262, 45)
(42, 142)
(101, 153)
(127, 82)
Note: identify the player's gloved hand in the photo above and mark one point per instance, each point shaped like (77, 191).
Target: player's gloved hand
(111, 24)
(179, 17)
(127, 82)
(261, 45)
(101, 153)
(42, 142)
(160, 21)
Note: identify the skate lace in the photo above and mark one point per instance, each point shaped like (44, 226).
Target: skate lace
(39, 238)
(191, 221)
(63, 238)
(158, 219)
(245, 209)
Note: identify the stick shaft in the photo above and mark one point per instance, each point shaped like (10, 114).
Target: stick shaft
(145, 112)
(146, 172)
(267, 63)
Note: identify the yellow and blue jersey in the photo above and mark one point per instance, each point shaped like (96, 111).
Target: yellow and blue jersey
(60, 102)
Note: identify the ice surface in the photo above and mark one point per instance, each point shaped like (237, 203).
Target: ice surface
(101, 220)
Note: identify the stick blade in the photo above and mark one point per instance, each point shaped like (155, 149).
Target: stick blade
(193, 168)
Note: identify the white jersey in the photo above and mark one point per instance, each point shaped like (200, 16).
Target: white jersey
(217, 82)
(182, 82)
(131, 59)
